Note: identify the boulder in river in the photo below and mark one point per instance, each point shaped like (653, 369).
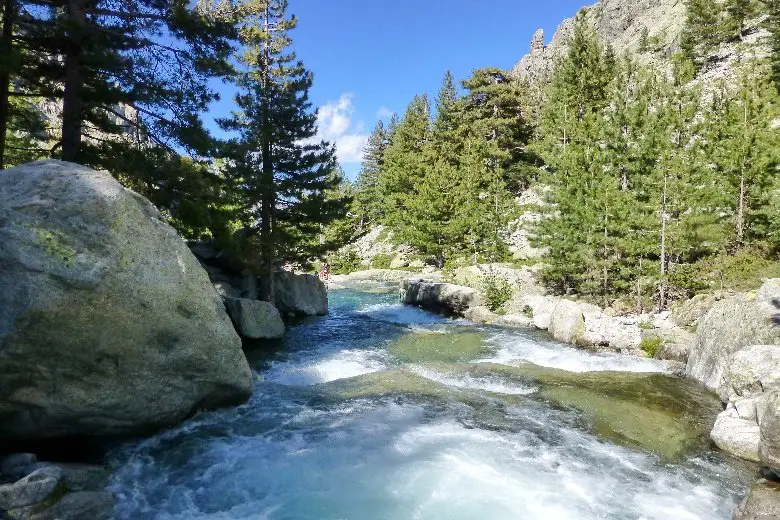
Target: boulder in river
(300, 294)
(108, 324)
(440, 297)
(255, 319)
(737, 436)
(731, 325)
(751, 371)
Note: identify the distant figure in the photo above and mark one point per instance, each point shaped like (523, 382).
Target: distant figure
(288, 267)
(325, 273)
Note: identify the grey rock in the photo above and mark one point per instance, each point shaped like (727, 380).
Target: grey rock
(751, 371)
(18, 465)
(737, 436)
(108, 324)
(731, 325)
(688, 313)
(81, 505)
(80, 477)
(440, 297)
(226, 290)
(300, 294)
(769, 418)
(567, 322)
(32, 489)
(676, 343)
(255, 319)
(762, 503)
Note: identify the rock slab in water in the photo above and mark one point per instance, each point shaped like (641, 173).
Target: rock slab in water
(108, 324)
(732, 324)
(255, 319)
(300, 294)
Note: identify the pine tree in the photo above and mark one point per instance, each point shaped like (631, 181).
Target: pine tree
(284, 177)
(739, 12)
(493, 111)
(703, 30)
(773, 25)
(368, 179)
(405, 165)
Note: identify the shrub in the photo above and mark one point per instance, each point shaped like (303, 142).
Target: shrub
(496, 290)
(344, 262)
(528, 311)
(651, 345)
(382, 261)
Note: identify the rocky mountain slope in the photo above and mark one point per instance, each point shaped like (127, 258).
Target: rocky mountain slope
(623, 24)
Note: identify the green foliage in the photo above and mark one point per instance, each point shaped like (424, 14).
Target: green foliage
(496, 290)
(344, 262)
(382, 261)
(651, 345)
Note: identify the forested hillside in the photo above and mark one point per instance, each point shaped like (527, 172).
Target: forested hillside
(660, 177)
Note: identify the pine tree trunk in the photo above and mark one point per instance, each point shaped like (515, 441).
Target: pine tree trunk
(741, 211)
(267, 289)
(72, 103)
(6, 42)
(662, 297)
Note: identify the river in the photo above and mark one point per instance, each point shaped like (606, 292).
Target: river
(379, 411)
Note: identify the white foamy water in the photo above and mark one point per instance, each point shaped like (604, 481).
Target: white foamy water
(401, 314)
(519, 346)
(494, 384)
(388, 459)
(327, 367)
(297, 452)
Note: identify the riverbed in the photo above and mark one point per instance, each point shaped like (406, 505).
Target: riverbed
(380, 411)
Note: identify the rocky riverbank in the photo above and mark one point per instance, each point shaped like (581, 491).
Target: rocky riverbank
(735, 352)
(110, 327)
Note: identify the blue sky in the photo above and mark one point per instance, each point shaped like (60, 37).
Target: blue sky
(370, 57)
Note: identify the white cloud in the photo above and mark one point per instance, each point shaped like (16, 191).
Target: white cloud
(384, 113)
(334, 121)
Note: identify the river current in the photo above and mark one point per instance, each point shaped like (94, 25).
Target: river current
(379, 411)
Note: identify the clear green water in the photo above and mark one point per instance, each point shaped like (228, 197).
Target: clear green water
(379, 411)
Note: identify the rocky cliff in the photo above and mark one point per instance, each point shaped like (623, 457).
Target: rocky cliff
(620, 23)
(623, 24)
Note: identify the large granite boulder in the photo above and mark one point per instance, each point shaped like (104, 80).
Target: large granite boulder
(255, 319)
(567, 321)
(300, 294)
(751, 371)
(731, 325)
(769, 418)
(108, 324)
(440, 297)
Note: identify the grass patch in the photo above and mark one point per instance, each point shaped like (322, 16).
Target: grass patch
(651, 345)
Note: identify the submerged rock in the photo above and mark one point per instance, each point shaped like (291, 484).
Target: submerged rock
(664, 415)
(300, 294)
(108, 324)
(255, 319)
(427, 347)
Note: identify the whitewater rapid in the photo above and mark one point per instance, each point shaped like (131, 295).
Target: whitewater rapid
(297, 452)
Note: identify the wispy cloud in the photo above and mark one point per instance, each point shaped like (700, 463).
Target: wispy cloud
(384, 113)
(335, 125)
